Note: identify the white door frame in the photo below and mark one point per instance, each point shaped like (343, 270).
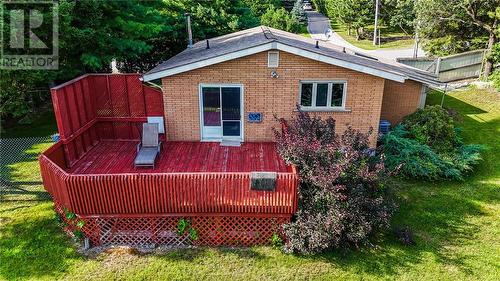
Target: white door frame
(242, 119)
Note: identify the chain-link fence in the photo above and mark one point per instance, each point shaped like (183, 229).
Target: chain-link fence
(19, 170)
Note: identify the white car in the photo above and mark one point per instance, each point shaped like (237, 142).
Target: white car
(307, 7)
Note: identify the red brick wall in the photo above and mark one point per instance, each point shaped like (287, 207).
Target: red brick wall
(400, 99)
(269, 95)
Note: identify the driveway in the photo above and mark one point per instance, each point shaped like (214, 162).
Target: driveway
(318, 24)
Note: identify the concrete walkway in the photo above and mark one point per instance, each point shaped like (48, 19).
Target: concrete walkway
(318, 24)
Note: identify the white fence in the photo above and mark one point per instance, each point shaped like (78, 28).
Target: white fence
(450, 68)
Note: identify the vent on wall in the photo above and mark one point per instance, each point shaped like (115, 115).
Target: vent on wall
(273, 58)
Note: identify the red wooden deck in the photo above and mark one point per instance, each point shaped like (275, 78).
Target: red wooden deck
(104, 181)
(115, 157)
(90, 172)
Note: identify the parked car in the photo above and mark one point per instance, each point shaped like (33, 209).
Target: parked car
(307, 6)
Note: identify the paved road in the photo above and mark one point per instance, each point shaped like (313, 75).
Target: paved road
(318, 24)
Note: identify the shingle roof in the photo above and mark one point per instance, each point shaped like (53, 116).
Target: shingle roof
(263, 36)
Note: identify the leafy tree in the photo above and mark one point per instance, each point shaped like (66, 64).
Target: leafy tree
(22, 92)
(320, 5)
(280, 19)
(214, 18)
(259, 7)
(355, 14)
(461, 22)
(208, 19)
(399, 14)
(102, 31)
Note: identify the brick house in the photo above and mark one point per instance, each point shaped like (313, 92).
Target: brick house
(230, 87)
(237, 192)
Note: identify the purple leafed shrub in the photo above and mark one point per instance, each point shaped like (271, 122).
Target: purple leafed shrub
(342, 200)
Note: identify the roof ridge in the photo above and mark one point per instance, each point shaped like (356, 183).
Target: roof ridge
(268, 33)
(256, 38)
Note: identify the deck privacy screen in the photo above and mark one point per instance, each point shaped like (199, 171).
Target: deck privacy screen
(102, 106)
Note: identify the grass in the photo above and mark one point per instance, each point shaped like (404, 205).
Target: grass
(456, 225)
(43, 125)
(391, 39)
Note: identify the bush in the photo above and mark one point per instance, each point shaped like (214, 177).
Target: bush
(342, 201)
(412, 159)
(432, 126)
(280, 19)
(495, 78)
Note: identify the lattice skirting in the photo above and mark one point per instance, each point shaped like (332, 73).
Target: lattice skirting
(156, 230)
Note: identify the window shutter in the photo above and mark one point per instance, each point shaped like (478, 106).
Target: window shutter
(273, 59)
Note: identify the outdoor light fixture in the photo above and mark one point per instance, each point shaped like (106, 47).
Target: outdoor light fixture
(274, 74)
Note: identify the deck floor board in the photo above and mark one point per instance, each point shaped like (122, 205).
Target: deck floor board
(114, 157)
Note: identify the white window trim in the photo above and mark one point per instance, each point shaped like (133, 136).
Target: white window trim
(328, 106)
(277, 61)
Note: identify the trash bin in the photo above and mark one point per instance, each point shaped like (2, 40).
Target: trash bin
(384, 127)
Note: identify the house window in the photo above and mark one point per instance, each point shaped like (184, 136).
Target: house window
(322, 95)
(273, 58)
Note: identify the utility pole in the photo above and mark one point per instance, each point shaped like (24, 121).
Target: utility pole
(417, 39)
(375, 34)
(415, 46)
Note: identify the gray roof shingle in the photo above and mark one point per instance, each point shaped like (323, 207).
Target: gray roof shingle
(262, 35)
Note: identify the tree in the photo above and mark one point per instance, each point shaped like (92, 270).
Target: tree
(355, 14)
(298, 11)
(320, 5)
(259, 7)
(462, 22)
(208, 19)
(399, 14)
(280, 19)
(100, 31)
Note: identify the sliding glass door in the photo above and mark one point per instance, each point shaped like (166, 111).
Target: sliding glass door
(221, 112)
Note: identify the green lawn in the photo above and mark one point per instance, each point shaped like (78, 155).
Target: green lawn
(391, 39)
(43, 125)
(456, 224)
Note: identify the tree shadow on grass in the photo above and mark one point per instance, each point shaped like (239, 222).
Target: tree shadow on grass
(33, 246)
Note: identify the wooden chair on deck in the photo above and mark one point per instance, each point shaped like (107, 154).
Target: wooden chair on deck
(149, 148)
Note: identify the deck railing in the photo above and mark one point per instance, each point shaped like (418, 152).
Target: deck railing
(93, 108)
(154, 193)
